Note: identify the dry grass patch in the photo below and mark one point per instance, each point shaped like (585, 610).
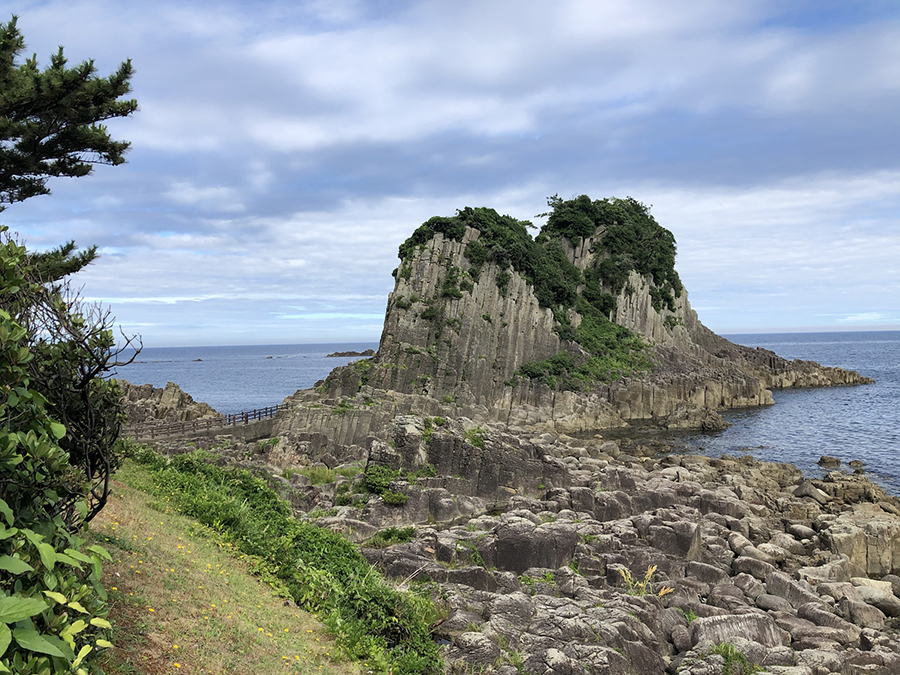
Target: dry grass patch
(183, 603)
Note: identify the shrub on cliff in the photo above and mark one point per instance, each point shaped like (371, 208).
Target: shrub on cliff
(631, 240)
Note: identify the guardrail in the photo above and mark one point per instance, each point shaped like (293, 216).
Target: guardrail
(153, 430)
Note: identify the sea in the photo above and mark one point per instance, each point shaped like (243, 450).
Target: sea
(235, 379)
(851, 423)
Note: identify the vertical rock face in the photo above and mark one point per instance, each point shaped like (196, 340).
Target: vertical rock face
(466, 347)
(463, 334)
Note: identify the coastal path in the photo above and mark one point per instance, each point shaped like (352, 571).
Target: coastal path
(156, 430)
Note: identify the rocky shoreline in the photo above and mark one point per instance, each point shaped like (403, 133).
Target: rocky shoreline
(551, 554)
(445, 456)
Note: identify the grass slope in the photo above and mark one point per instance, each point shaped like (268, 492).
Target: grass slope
(183, 601)
(322, 571)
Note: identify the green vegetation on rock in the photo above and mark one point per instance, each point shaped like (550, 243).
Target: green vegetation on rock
(736, 662)
(631, 239)
(628, 239)
(391, 536)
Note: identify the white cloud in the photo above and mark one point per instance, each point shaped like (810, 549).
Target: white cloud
(283, 150)
(218, 198)
(866, 318)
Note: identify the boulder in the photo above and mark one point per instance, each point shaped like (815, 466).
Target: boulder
(807, 489)
(755, 627)
(884, 600)
(861, 613)
(475, 648)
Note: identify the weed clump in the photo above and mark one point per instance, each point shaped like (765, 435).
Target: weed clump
(641, 587)
(391, 536)
(736, 662)
(476, 437)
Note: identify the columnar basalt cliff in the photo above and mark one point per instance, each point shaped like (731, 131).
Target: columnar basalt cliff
(585, 326)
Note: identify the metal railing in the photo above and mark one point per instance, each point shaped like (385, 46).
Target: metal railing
(151, 430)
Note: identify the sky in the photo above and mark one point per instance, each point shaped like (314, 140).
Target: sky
(283, 150)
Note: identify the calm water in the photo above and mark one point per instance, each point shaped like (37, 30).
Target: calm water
(860, 422)
(234, 379)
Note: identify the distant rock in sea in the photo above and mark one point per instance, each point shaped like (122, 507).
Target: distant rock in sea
(367, 352)
(145, 403)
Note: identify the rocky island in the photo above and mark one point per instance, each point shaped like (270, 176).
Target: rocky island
(365, 352)
(467, 456)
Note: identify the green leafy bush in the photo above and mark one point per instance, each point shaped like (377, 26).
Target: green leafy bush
(574, 219)
(736, 662)
(377, 478)
(476, 437)
(391, 536)
(450, 288)
(392, 498)
(52, 606)
(59, 417)
(502, 281)
(431, 313)
(477, 255)
(450, 227)
(402, 303)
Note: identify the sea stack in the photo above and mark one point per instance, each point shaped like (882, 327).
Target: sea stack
(585, 326)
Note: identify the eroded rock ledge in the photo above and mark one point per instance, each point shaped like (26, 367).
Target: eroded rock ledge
(538, 546)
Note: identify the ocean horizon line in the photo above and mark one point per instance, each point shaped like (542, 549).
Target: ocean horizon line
(369, 343)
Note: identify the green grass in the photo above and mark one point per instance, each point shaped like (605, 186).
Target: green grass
(736, 662)
(322, 571)
(184, 601)
(318, 475)
(391, 536)
(476, 437)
